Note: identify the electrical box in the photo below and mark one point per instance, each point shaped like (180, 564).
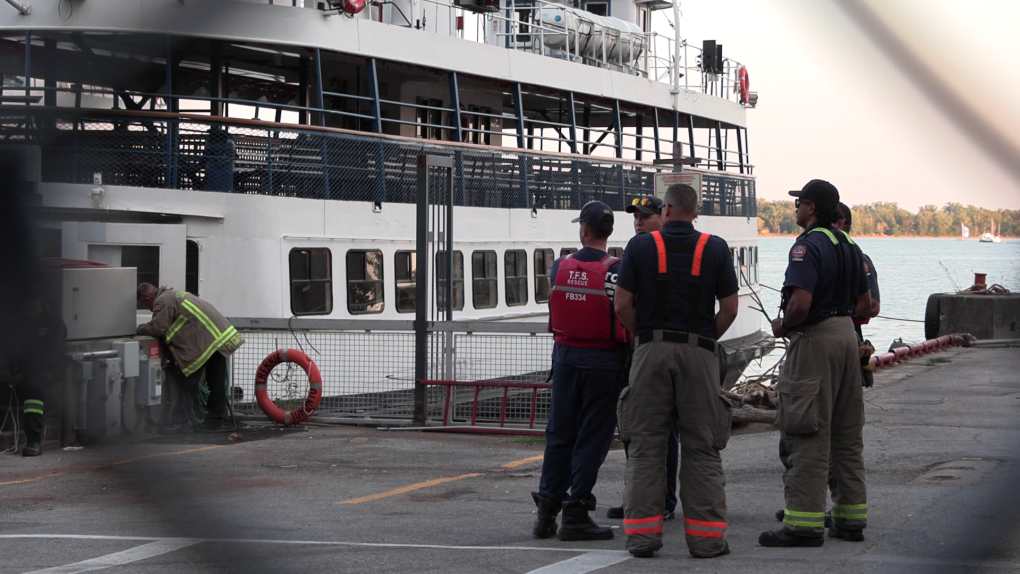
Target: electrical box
(128, 351)
(149, 384)
(94, 303)
(104, 398)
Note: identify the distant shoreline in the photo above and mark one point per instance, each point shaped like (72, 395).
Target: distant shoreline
(972, 238)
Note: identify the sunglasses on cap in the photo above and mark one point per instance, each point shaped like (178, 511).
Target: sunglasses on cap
(797, 202)
(641, 201)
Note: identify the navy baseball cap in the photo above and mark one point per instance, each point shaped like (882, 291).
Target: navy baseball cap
(595, 214)
(818, 192)
(648, 204)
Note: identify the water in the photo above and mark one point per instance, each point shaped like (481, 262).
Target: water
(908, 272)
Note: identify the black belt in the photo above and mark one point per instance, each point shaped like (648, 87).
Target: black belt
(677, 337)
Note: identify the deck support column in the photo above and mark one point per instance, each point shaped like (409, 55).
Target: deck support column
(618, 128)
(319, 102)
(303, 89)
(655, 132)
(718, 147)
(690, 135)
(216, 78)
(519, 114)
(573, 122)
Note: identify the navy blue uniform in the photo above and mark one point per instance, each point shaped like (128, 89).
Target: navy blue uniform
(582, 417)
(869, 268)
(813, 267)
(639, 271)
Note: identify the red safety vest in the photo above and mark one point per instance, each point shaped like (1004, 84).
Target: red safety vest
(580, 312)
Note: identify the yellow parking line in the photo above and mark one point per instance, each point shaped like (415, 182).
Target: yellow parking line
(523, 461)
(159, 454)
(409, 488)
(54, 475)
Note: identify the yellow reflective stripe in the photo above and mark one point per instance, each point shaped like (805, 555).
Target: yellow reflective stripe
(850, 516)
(832, 237)
(850, 506)
(34, 411)
(178, 323)
(847, 236)
(215, 346)
(33, 402)
(202, 318)
(812, 524)
(805, 514)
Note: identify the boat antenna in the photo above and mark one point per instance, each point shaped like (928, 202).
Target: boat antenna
(676, 55)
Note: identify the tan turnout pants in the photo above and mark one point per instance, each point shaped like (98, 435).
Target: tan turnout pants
(674, 384)
(821, 417)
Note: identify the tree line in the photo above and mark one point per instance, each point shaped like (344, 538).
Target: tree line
(890, 220)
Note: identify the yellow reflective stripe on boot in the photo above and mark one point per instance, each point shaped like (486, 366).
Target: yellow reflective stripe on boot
(215, 346)
(178, 323)
(34, 410)
(202, 317)
(798, 518)
(844, 511)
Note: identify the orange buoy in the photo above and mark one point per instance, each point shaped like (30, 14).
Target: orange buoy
(314, 386)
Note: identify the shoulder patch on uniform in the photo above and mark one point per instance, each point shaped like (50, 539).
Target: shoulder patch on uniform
(156, 308)
(797, 254)
(867, 268)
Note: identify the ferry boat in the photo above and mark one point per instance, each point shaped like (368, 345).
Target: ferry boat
(263, 154)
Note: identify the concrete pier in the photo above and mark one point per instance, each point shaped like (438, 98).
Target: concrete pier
(943, 446)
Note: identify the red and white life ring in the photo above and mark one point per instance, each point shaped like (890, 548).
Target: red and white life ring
(745, 85)
(314, 386)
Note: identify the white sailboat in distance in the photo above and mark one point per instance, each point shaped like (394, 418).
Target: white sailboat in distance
(964, 232)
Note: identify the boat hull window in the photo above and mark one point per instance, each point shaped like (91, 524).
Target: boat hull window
(543, 267)
(190, 267)
(405, 272)
(516, 270)
(311, 281)
(567, 251)
(483, 279)
(616, 251)
(364, 282)
(458, 281)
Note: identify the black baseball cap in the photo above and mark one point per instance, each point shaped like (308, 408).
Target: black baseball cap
(648, 204)
(818, 192)
(595, 214)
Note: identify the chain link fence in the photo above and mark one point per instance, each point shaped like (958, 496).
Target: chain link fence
(367, 369)
(248, 157)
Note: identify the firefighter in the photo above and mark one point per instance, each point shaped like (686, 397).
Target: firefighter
(199, 339)
(647, 212)
(844, 224)
(669, 283)
(821, 402)
(588, 357)
(37, 369)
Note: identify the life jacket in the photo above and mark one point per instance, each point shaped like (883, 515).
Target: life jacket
(580, 312)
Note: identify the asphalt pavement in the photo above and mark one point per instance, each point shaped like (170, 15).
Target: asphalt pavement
(942, 453)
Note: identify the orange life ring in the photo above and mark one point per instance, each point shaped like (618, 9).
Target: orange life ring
(314, 386)
(745, 85)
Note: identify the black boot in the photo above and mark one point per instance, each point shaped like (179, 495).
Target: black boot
(33, 433)
(577, 525)
(545, 524)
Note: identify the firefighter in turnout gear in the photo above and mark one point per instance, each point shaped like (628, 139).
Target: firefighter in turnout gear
(199, 339)
(669, 282)
(821, 402)
(588, 358)
(35, 371)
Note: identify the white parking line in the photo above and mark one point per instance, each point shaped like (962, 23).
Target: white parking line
(119, 558)
(588, 562)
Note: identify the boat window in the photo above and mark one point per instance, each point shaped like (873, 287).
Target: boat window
(483, 279)
(429, 115)
(191, 267)
(616, 251)
(753, 266)
(516, 271)
(311, 281)
(364, 282)
(597, 8)
(543, 267)
(144, 258)
(479, 122)
(567, 251)
(458, 281)
(404, 263)
(744, 272)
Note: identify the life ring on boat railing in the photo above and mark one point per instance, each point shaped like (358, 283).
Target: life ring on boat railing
(745, 85)
(314, 386)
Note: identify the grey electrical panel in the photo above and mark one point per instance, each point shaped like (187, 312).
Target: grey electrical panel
(128, 351)
(104, 392)
(149, 384)
(94, 303)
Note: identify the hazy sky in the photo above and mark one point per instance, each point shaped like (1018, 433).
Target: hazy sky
(833, 106)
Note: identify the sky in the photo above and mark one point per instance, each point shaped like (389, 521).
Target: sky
(834, 106)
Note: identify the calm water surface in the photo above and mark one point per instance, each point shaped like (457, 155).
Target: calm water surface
(909, 271)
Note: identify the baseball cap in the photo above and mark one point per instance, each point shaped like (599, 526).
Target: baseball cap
(818, 192)
(595, 214)
(647, 204)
